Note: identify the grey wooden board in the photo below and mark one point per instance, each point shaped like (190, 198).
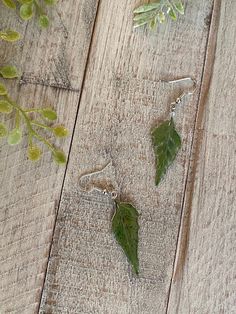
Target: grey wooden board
(30, 193)
(121, 100)
(208, 282)
(54, 58)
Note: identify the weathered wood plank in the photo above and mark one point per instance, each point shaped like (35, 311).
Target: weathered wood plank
(29, 192)
(208, 281)
(53, 57)
(122, 99)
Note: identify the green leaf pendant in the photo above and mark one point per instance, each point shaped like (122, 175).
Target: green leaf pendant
(166, 142)
(125, 228)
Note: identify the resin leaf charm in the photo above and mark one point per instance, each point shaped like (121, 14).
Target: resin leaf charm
(166, 142)
(125, 228)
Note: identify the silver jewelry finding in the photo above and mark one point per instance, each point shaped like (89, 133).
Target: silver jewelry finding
(189, 92)
(112, 194)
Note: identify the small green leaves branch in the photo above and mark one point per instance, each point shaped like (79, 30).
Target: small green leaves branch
(155, 12)
(29, 8)
(7, 106)
(25, 116)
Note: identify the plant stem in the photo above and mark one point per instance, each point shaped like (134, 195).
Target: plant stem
(19, 109)
(43, 126)
(17, 119)
(32, 110)
(46, 142)
(32, 132)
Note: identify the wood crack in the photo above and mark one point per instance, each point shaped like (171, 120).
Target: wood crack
(25, 80)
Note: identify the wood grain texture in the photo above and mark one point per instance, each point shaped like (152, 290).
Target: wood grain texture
(208, 283)
(53, 57)
(29, 192)
(121, 100)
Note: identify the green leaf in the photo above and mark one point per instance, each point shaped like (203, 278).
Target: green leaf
(161, 17)
(166, 142)
(49, 114)
(14, 137)
(9, 4)
(147, 7)
(9, 72)
(3, 130)
(172, 14)
(3, 90)
(143, 16)
(179, 7)
(26, 11)
(153, 23)
(9, 35)
(34, 153)
(125, 228)
(59, 157)
(140, 23)
(5, 106)
(43, 21)
(60, 131)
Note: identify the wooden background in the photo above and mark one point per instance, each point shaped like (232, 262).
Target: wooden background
(57, 253)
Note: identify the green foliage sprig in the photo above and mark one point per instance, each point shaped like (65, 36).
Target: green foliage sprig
(153, 13)
(29, 8)
(7, 106)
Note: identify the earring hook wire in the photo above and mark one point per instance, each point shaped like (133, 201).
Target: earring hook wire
(112, 194)
(183, 94)
(189, 92)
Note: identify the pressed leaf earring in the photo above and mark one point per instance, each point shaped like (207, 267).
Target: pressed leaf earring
(124, 224)
(165, 139)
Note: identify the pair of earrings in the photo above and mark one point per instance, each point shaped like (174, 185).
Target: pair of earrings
(166, 143)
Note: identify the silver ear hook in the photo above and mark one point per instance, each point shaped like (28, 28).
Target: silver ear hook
(184, 94)
(189, 92)
(112, 194)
